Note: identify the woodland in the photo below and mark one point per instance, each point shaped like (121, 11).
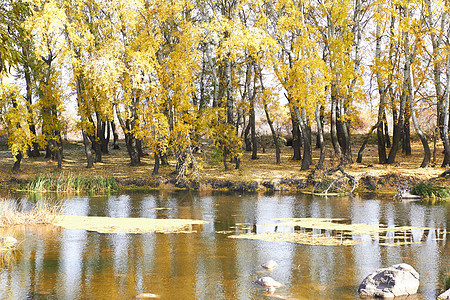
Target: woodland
(169, 75)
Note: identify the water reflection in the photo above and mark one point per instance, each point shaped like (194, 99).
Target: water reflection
(77, 264)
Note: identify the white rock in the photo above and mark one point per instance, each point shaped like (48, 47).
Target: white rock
(268, 282)
(269, 265)
(444, 296)
(397, 280)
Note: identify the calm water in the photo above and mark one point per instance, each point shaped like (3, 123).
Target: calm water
(56, 263)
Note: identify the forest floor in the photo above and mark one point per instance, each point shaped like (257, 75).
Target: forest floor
(211, 169)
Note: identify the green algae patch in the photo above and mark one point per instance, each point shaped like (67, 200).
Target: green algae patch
(127, 225)
(303, 238)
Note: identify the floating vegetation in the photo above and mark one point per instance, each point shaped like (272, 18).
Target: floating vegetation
(304, 238)
(127, 225)
(70, 183)
(336, 232)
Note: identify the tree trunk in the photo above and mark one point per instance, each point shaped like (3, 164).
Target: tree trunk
(382, 92)
(398, 128)
(18, 159)
(436, 41)
(156, 165)
(130, 141)
(296, 137)
(87, 151)
(34, 151)
(320, 137)
(382, 158)
(307, 149)
(334, 137)
(269, 121)
(406, 139)
(321, 119)
(115, 136)
(96, 146)
(445, 125)
(410, 80)
(365, 141)
(386, 132)
(104, 136)
(139, 148)
(253, 133)
(248, 143)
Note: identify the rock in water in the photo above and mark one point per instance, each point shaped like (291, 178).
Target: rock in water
(269, 265)
(397, 280)
(268, 282)
(444, 296)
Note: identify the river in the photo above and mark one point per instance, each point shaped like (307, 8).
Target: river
(56, 263)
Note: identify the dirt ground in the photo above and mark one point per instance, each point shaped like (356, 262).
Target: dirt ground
(116, 164)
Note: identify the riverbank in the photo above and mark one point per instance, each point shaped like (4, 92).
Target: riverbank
(261, 174)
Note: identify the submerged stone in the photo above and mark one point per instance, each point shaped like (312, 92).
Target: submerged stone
(268, 282)
(147, 296)
(397, 280)
(269, 265)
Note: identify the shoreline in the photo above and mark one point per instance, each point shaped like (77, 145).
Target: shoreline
(388, 184)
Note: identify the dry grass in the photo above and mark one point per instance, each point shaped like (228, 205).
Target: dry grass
(116, 164)
(42, 213)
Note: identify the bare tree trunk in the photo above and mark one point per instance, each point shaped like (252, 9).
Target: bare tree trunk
(130, 140)
(334, 137)
(156, 165)
(296, 137)
(406, 138)
(409, 75)
(17, 160)
(320, 138)
(215, 102)
(87, 150)
(115, 136)
(269, 121)
(382, 92)
(386, 132)
(365, 141)
(436, 41)
(398, 128)
(34, 151)
(307, 149)
(247, 141)
(446, 105)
